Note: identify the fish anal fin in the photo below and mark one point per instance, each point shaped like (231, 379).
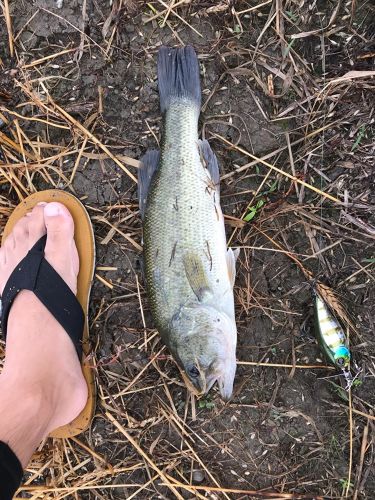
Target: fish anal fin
(150, 162)
(210, 162)
(232, 256)
(196, 275)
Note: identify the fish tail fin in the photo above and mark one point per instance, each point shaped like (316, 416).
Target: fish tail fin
(178, 76)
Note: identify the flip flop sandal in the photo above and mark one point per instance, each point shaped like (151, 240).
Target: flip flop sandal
(36, 274)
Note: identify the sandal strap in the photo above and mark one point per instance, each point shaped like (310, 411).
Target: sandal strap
(34, 273)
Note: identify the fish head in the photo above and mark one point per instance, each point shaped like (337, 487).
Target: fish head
(205, 346)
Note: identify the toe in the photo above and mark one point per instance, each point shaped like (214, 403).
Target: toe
(21, 231)
(37, 227)
(60, 248)
(9, 243)
(14, 250)
(59, 224)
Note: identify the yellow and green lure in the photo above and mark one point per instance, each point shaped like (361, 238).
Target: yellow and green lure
(333, 339)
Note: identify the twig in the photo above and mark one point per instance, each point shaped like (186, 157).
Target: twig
(276, 169)
(8, 22)
(152, 464)
(361, 460)
(350, 466)
(180, 18)
(250, 9)
(254, 493)
(282, 365)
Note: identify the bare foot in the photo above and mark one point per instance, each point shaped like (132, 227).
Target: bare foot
(41, 361)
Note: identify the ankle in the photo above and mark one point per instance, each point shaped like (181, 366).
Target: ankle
(32, 393)
(30, 398)
(49, 401)
(25, 417)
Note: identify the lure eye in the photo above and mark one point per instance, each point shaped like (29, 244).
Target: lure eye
(340, 361)
(193, 371)
(342, 356)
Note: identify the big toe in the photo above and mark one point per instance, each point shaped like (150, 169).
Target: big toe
(60, 250)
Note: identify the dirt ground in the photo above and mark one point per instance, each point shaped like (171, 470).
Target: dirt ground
(289, 431)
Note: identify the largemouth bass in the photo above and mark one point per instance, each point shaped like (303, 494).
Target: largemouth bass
(189, 271)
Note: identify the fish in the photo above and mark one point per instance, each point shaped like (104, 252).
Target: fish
(332, 338)
(189, 271)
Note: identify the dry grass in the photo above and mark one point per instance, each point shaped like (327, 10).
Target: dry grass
(151, 438)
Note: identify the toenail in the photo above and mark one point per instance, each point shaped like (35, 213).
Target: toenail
(52, 209)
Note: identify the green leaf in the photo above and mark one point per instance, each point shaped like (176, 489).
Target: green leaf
(291, 15)
(340, 391)
(370, 261)
(253, 210)
(360, 135)
(252, 213)
(273, 187)
(344, 483)
(206, 403)
(290, 45)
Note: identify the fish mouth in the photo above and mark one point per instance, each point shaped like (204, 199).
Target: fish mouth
(225, 393)
(224, 383)
(205, 383)
(201, 384)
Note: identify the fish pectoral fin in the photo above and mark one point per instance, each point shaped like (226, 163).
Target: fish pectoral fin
(150, 162)
(232, 256)
(196, 276)
(210, 162)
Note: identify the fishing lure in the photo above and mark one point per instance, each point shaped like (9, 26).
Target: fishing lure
(333, 340)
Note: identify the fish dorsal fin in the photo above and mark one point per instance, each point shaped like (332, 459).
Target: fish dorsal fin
(232, 256)
(146, 172)
(210, 162)
(196, 275)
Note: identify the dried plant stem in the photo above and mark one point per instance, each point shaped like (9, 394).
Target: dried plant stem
(8, 21)
(276, 169)
(152, 464)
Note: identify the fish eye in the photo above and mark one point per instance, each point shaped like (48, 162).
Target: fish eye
(193, 371)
